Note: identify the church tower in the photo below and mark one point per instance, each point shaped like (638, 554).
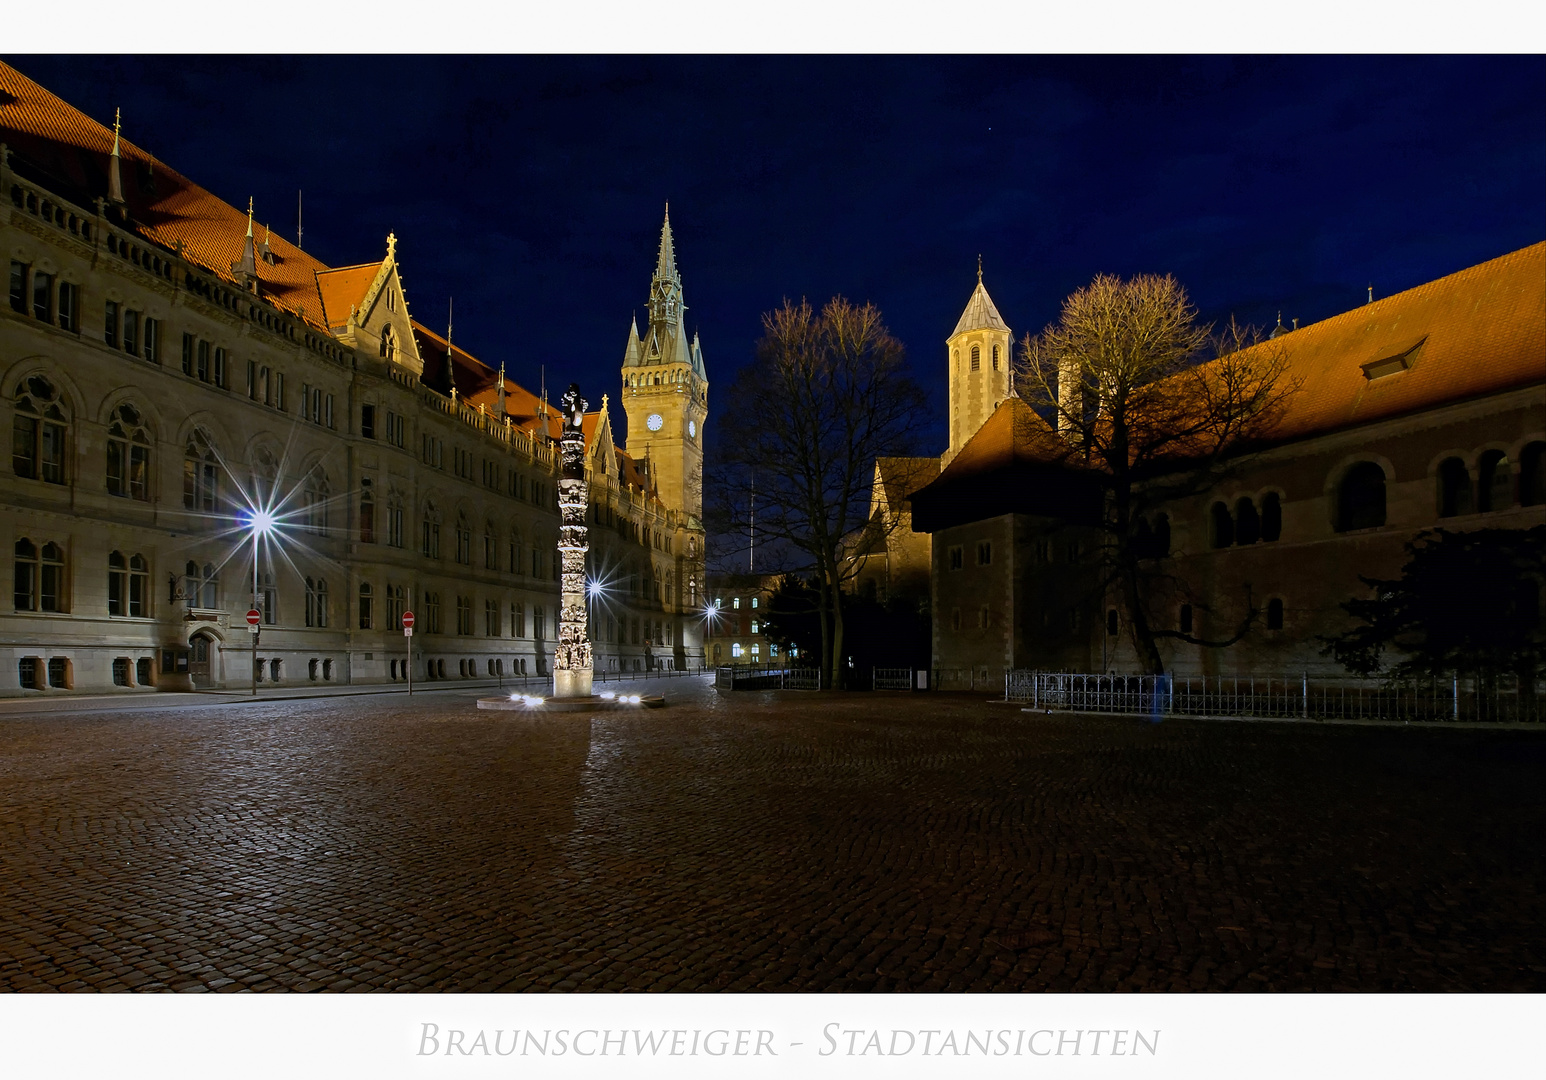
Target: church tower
(979, 367)
(665, 390)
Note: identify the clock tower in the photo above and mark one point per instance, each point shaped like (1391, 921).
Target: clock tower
(666, 392)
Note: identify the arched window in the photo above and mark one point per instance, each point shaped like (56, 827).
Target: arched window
(463, 541)
(316, 602)
(995, 358)
(366, 611)
(490, 547)
(1275, 614)
(39, 432)
(201, 474)
(1494, 482)
(976, 358)
(1361, 498)
(314, 497)
(1221, 530)
(128, 454)
(1247, 522)
(388, 344)
(516, 564)
(1454, 482)
(26, 575)
(128, 585)
(430, 546)
(1532, 475)
(367, 514)
(1271, 516)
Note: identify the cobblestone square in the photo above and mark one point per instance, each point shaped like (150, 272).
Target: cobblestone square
(759, 842)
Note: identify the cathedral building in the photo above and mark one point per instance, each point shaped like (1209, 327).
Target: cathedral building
(180, 380)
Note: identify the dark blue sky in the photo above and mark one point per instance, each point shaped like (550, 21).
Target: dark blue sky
(531, 188)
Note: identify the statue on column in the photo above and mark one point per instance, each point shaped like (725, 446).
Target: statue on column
(572, 668)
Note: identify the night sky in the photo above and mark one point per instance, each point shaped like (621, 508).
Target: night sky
(531, 188)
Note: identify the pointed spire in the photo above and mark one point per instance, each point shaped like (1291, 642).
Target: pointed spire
(665, 264)
(501, 400)
(631, 352)
(115, 163)
(979, 268)
(246, 268)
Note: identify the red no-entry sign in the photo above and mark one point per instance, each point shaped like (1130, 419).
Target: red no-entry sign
(407, 620)
(254, 617)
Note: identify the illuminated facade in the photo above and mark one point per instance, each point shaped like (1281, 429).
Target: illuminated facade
(167, 362)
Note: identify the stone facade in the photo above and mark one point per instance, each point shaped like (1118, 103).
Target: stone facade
(165, 376)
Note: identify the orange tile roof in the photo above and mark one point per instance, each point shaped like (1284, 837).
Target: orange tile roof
(342, 290)
(1480, 331)
(72, 152)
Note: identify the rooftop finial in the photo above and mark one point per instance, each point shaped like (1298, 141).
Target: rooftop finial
(979, 269)
(1371, 294)
(114, 173)
(450, 366)
(249, 216)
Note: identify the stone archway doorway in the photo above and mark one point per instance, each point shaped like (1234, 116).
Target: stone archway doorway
(204, 660)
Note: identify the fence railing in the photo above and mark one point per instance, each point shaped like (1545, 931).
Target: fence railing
(885, 678)
(766, 677)
(1282, 696)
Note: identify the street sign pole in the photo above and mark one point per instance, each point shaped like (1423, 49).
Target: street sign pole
(254, 624)
(408, 640)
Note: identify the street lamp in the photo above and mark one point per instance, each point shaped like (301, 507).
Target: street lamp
(260, 524)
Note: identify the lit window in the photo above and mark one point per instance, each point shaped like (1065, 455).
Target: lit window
(976, 358)
(735, 648)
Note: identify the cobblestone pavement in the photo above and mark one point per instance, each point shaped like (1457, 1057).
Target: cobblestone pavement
(761, 842)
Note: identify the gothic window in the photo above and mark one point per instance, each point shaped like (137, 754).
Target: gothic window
(430, 545)
(464, 615)
(128, 585)
(976, 358)
(538, 623)
(1454, 482)
(463, 541)
(39, 577)
(394, 514)
(268, 599)
(39, 431)
(128, 455)
(1361, 498)
(517, 620)
(366, 606)
(491, 618)
(432, 613)
(201, 473)
(490, 547)
(367, 514)
(515, 551)
(1494, 482)
(265, 475)
(388, 344)
(314, 497)
(201, 587)
(316, 602)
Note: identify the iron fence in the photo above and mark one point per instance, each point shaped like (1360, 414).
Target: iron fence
(766, 677)
(886, 678)
(1506, 700)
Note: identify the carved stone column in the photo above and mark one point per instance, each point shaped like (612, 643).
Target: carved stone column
(572, 669)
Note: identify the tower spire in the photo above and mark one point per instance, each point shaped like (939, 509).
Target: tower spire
(665, 264)
(246, 268)
(115, 163)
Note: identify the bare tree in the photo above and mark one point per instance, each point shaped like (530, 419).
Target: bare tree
(1121, 373)
(828, 394)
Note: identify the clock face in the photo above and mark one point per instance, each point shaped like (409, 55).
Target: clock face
(654, 422)
(692, 429)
